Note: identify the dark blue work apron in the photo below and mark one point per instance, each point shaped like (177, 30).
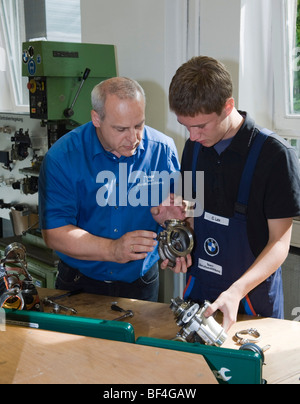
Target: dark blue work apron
(222, 252)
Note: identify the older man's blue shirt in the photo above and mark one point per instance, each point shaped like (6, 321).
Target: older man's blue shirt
(83, 185)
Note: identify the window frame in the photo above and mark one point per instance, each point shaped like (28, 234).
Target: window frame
(16, 86)
(285, 123)
(17, 99)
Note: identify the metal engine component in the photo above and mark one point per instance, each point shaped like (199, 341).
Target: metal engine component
(17, 290)
(176, 241)
(195, 326)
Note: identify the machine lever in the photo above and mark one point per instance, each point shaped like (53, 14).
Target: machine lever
(69, 112)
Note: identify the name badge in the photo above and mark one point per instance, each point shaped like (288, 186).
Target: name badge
(224, 221)
(210, 267)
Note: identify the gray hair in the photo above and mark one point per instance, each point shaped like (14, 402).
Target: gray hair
(122, 87)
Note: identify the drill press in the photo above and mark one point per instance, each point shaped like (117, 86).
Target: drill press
(61, 76)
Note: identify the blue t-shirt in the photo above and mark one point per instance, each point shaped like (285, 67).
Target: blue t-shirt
(83, 185)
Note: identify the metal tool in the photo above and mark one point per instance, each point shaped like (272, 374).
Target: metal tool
(58, 307)
(127, 313)
(68, 294)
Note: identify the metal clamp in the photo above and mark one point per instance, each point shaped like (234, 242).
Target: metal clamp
(252, 332)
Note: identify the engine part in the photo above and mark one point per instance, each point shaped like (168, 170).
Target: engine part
(21, 145)
(195, 326)
(176, 241)
(17, 290)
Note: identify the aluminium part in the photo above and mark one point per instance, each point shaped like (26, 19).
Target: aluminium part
(17, 290)
(175, 241)
(195, 327)
(251, 332)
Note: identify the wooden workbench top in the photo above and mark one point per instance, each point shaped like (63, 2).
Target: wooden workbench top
(150, 319)
(30, 356)
(154, 320)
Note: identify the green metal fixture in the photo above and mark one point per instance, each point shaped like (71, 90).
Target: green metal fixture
(61, 76)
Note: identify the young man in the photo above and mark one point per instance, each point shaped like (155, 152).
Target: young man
(252, 193)
(91, 190)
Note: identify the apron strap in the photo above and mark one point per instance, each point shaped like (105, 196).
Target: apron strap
(247, 176)
(197, 147)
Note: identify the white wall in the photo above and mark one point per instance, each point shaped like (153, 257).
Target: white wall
(144, 34)
(220, 35)
(154, 37)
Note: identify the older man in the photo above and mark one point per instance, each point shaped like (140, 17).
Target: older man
(95, 195)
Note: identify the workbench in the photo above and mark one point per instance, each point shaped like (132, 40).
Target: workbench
(40, 356)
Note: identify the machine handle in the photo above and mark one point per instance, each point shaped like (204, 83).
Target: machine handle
(69, 112)
(86, 74)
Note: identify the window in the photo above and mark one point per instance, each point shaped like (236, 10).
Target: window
(21, 20)
(293, 44)
(286, 47)
(12, 33)
(296, 90)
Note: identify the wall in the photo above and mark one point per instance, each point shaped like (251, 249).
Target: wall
(138, 30)
(220, 35)
(154, 37)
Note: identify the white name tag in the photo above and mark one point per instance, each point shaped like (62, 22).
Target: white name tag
(210, 267)
(216, 219)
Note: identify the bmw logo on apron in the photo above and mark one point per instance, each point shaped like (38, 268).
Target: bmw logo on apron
(211, 247)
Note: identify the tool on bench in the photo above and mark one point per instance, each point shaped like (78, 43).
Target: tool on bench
(57, 308)
(127, 313)
(68, 294)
